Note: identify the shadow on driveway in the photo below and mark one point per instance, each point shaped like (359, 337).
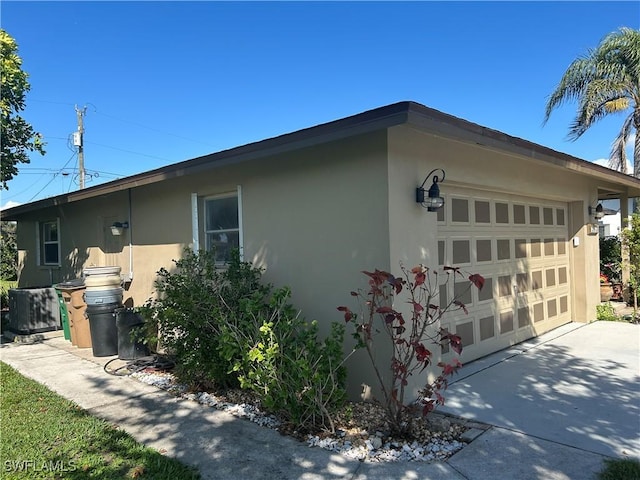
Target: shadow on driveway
(578, 385)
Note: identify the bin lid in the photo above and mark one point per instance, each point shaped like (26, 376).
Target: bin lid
(101, 271)
(70, 284)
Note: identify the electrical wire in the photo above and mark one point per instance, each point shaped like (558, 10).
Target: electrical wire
(42, 170)
(71, 147)
(128, 151)
(149, 128)
(53, 178)
(95, 110)
(49, 101)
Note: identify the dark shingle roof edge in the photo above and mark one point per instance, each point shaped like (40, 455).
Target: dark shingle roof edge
(368, 121)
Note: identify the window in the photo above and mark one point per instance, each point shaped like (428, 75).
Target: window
(49, 244)
(222, 226)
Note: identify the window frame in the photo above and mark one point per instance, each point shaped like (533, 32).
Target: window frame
(42, 243)
(206, 232)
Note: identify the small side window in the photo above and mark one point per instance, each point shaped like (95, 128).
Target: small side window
(49, 244)
(222, 226)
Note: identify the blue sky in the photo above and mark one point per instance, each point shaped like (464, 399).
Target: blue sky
(169, 81)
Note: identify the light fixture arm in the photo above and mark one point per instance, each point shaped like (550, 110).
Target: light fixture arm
(436, 179)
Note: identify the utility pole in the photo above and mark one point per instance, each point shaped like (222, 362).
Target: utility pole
(78, 141)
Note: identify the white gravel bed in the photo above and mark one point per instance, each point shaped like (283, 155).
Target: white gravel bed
(373, 449)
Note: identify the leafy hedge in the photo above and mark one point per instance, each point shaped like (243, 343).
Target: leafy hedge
(226, 329)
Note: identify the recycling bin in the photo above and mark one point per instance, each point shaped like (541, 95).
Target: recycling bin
(64, 316)
(73, 296)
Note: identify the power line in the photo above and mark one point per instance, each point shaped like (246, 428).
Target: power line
(66, 171)
(68, 140)
(52, 179)
(49, 101)
(95, 110)
(151, 128)
(130, 151)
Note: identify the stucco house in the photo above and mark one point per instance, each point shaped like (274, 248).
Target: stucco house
(317, 206)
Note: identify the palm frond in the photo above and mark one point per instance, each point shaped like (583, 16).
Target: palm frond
(616, 105)
(618, 155)
(604, 81)
(571, 85)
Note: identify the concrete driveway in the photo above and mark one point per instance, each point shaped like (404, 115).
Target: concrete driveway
(576, 386)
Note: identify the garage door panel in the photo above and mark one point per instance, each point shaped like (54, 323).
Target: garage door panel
(519, 245)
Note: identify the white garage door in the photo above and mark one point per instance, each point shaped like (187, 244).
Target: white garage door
(519, 245)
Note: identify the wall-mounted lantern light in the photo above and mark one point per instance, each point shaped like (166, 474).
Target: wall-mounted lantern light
(596, 212)
(432, 201)
(118, 228)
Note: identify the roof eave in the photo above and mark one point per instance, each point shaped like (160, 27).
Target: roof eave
(369, 121)
(411, 113)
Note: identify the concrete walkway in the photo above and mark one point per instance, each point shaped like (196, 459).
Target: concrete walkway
(559, 406)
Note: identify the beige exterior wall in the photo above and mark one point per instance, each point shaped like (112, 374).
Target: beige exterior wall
(468, 165)
(85, 239)
(314, 219)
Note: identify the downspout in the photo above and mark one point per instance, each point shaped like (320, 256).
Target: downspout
(130, 240)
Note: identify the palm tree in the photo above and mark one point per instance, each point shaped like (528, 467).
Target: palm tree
(605, 81)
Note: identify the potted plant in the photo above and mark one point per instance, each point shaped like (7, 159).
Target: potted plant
(606, 289)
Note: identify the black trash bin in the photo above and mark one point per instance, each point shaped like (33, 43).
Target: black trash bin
(127, 321)
(104, 333)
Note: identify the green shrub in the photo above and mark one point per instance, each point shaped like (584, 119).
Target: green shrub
(225, 329)
(606, 312)
(192, 304)
(5, 286)
(611, 259)
(631, 241)
(295, 375)
(620, 469)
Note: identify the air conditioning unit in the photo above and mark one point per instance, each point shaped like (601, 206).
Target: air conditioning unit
(33, 310)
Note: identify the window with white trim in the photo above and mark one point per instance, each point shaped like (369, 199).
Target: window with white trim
(49, 245)
(222, 226)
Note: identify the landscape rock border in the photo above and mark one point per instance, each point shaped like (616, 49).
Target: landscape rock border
(450, 435)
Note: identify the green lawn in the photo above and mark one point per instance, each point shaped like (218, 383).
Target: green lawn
(620, 469)
(45, 436)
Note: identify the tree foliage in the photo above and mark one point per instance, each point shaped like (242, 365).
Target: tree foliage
(18, 137)
(631, 241)
(605, 81)
(8, 251)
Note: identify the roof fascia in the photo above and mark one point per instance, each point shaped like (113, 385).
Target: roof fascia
(436, 122)
(366, 122)
(414, 114)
